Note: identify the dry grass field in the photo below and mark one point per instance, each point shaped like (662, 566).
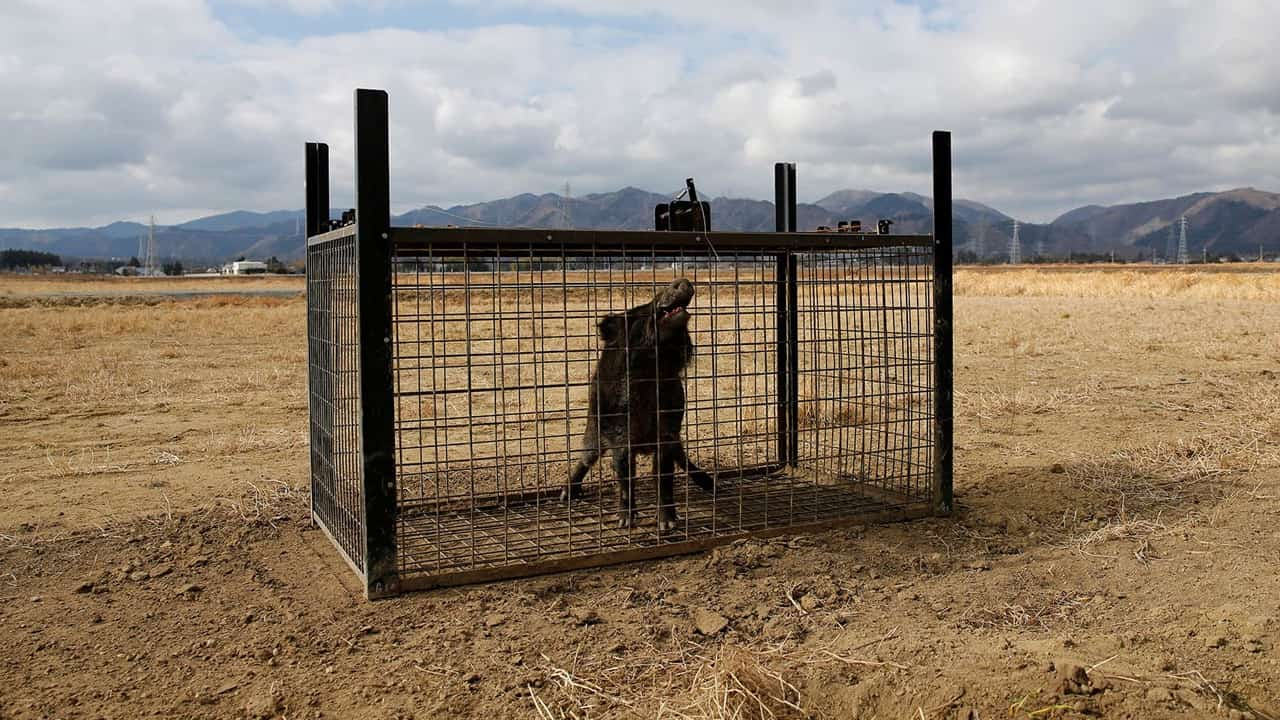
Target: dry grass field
(22, 289)
(1114, 552)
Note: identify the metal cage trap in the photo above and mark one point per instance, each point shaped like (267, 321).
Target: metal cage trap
(451, 383)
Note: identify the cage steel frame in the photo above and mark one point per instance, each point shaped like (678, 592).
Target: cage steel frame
(367, 357)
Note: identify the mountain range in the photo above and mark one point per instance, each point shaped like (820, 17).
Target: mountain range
(1221, 223)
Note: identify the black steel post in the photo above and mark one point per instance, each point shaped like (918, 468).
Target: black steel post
(781, 204)
(317, 188)
(793, 329)
(943, 373)
(317, 205)
(377, 418)
(791, 197)
(780, 195)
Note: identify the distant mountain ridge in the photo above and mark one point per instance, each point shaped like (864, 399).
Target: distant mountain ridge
(1234, 221)
(242, 219)
(1230, 222)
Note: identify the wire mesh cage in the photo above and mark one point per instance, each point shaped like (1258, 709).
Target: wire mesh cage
(498, 402)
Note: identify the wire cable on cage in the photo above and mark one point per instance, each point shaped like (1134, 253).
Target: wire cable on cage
(706, 232)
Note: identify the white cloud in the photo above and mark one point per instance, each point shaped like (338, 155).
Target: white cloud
(299, 7)
(156, 106)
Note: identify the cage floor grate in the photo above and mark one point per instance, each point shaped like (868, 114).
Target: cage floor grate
(444, 538)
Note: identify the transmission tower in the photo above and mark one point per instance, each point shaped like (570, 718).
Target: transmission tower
(1015, 246)
(980, 240)
(1171, 248)
(1040, 248)
(1182, 241)
(149, 263)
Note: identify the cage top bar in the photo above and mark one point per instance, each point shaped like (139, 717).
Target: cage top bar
(335, 234)
(632, 241)
(453, 238)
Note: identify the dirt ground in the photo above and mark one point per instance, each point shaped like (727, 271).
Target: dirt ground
(1114, 552)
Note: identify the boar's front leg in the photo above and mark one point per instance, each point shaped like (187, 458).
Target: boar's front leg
(664, 465)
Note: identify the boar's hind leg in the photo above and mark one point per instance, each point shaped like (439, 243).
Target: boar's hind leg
(624, 464)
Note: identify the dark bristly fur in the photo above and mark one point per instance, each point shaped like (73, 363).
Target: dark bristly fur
(636, 404)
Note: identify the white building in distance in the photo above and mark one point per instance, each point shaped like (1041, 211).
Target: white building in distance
(245, 267)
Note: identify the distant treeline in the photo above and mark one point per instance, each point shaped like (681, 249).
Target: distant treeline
(10, 259)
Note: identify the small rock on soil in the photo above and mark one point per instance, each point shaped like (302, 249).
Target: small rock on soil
(709, 623)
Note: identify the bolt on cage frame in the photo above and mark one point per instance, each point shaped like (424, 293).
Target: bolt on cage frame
(847, 417)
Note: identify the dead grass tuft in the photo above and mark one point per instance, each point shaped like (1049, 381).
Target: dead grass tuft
(269, 501)
(999, 402)
(691, 682)
(1141, 485)
(1038, 609)
(1164, 473)
(737, 684)
(1121, 530)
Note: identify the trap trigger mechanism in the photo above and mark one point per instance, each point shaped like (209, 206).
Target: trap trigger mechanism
(689, 215)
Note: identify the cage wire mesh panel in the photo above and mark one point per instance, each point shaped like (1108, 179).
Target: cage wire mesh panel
(333, 381)
(805, 414)
(865, 345)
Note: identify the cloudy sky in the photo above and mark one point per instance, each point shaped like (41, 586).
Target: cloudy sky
(123, 108)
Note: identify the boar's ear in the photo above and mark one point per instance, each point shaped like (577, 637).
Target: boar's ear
(612, 328)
